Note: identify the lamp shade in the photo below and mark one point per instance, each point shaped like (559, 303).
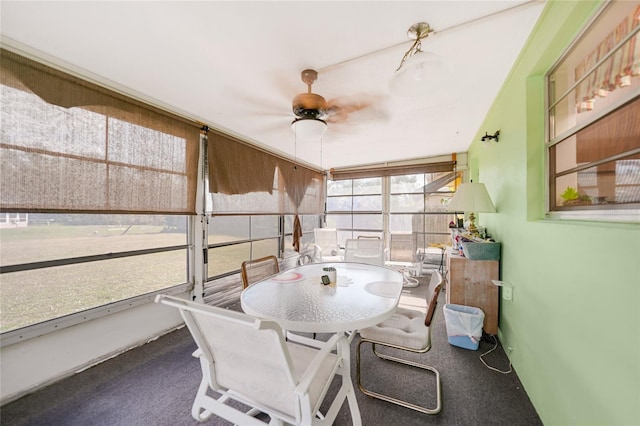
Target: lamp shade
(310, 129)
(472, 197)
(422, 74)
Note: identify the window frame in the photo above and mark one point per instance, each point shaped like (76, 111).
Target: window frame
(386, 213)
(424, 234)
(37, 329)
(595, 212)
(352, 232)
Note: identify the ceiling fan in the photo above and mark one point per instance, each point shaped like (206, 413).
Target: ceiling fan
(313, 111)
(309, 105)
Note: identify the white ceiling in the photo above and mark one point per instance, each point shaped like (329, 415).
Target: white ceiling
(236, 65)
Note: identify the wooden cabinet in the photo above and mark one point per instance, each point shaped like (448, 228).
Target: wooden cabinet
(469, 283)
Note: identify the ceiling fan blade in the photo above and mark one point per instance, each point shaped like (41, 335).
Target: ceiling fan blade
(261, 106)
(360, 108)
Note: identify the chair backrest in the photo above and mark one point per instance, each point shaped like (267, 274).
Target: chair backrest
(245, 354)
(403, 247)
(367, 250)
(433, 291)
(259, 269)
(326, 239)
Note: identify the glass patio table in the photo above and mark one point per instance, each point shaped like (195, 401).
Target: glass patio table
(363, 295)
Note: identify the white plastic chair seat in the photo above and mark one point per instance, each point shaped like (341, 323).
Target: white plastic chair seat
(405, 328)
(301, 358)
(365, 257)
(330, 259)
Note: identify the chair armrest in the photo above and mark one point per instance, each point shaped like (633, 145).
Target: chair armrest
(316, 363)
(317, 252)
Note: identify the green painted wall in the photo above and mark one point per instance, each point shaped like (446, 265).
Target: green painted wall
(574, 321)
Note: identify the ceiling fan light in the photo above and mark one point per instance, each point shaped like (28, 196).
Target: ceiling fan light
(419, 75)
(308, 128)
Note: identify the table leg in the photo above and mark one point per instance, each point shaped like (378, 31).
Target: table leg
(346, 380)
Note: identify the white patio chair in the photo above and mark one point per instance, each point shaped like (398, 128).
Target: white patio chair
(326, 245)
(248, 360)
(407, 330)
(369, 250)
(403, 256)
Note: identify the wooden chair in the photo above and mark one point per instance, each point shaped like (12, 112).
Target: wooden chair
(246, 359)
(407, 330)
(258, 269)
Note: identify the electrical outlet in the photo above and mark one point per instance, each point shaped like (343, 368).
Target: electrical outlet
(507, 293)
(507, 289)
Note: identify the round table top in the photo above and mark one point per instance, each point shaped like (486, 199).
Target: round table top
(364, 295)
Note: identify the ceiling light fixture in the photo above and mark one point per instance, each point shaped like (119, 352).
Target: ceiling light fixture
(309, 129)
(416, 75)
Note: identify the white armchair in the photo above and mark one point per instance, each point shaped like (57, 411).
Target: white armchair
(365, 250)
(403, 256)
(326, 245)
(248, 360)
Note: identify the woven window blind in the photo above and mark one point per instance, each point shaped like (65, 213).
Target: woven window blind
(67, 145)
(445, 166)
(246, 180)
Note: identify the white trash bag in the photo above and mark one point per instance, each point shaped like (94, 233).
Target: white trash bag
(464, 325)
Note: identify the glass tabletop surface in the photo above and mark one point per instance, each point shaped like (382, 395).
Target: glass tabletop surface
(363, 295)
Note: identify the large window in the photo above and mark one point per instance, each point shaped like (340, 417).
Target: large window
(54, 265)
(418, 204)
(593, 146)
(234, 239)
(355, 207)
(94, 192)
(405, 203)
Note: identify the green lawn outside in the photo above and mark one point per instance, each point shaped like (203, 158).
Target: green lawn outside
(34, 296)
(29, 297)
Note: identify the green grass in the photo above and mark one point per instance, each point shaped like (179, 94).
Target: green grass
(39, 243)
(38, 295)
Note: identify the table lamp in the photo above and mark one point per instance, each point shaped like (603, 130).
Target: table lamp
(472, 198)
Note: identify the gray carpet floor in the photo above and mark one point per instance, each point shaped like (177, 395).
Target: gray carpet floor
(155, 385)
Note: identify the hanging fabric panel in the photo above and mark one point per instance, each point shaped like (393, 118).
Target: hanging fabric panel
(68, 145)
(236, 168)
(246, 180)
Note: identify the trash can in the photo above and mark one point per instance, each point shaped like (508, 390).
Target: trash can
(464, 325)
